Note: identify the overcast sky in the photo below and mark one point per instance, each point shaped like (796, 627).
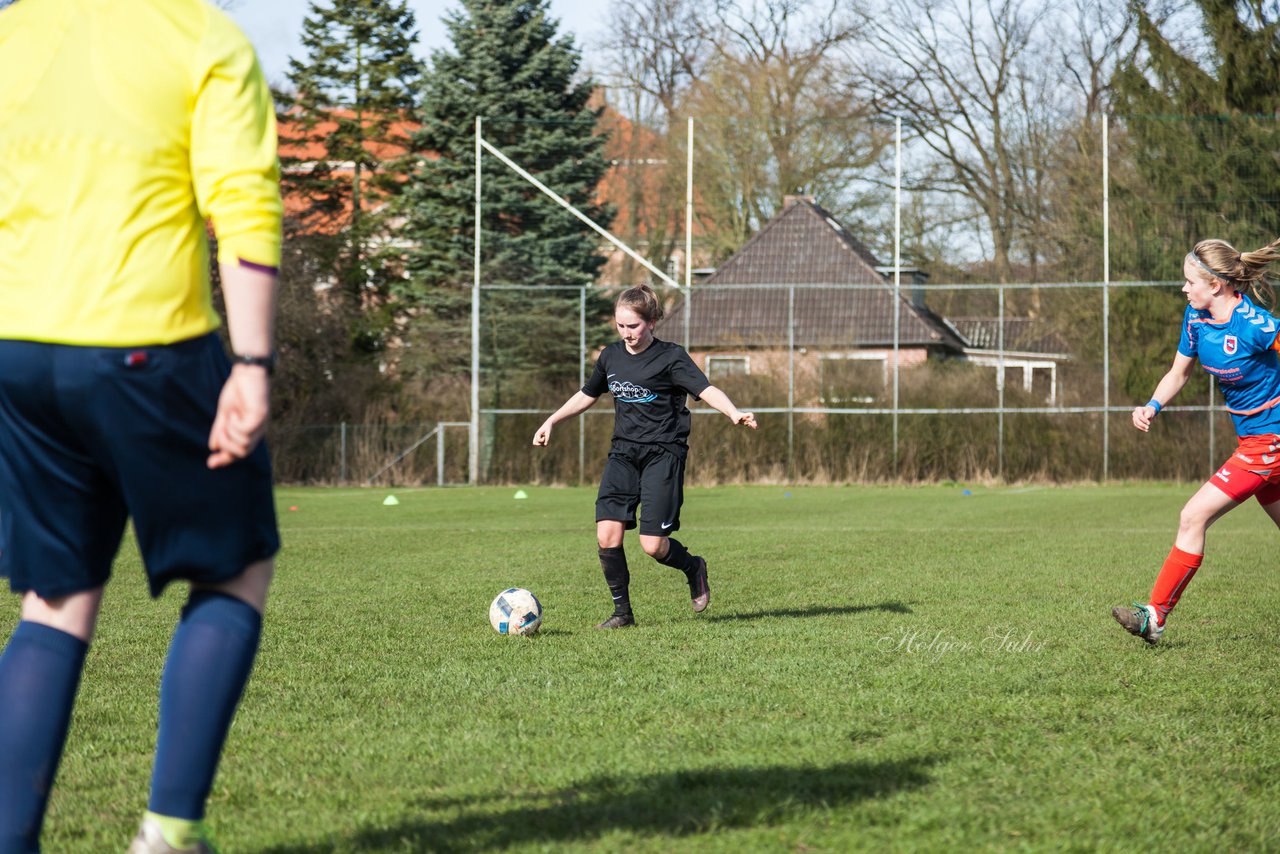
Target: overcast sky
(274, 27)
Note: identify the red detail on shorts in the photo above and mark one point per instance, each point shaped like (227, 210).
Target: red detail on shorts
(1240, 484)
(135, 359)
(1259, 454)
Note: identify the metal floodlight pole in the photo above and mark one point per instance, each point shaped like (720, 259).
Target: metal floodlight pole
(1000, 386)
(1106, 303)
(897, 278)
(688, 209)
(473, 441)
(688, 232)
(791, 382)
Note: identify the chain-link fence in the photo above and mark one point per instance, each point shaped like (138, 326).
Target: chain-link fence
(898, 330)
(371, 454)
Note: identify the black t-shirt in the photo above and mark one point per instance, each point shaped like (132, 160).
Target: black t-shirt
(649, 390)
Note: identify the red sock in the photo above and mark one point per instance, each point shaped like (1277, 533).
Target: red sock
(1178, 569)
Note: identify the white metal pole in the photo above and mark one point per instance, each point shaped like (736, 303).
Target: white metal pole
(1000, 385)
(897, 279)
(688, 209)
(473, 440)
(1106, 302)
(582, 380)
(688, 232)
(791, 381)
(1213, 457)
(440, 455)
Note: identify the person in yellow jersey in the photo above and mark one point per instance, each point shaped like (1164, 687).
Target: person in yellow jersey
(125, 126)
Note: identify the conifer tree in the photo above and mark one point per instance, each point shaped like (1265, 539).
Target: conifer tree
(1197, 129)
(1202, 130)
(508, 65)
(345, 139)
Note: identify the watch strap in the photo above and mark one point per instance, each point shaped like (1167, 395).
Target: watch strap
(268, 362)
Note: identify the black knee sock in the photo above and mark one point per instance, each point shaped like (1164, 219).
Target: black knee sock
(678, 557)
(614, 563)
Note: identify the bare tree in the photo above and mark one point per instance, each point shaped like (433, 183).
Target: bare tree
(969, 83)
(782, 102)
(655, 51)
(772, 99)
(1094, 38)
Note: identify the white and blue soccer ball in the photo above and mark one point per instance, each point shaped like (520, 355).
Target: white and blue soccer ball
(515, 611)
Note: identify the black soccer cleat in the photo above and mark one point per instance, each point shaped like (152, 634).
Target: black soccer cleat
(699, 589)
(618, 621)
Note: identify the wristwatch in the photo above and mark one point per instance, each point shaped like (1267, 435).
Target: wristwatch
(268, 362)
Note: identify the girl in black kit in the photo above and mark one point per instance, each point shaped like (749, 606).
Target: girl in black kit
(650, 381)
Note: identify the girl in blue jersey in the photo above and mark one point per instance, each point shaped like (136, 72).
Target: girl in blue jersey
(650, 381)
(1235, 340)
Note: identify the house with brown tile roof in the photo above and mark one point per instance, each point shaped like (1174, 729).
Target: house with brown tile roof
(805, 283)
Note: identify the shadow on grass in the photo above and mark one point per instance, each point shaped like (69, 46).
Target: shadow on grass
(680, 803)
(814, 611)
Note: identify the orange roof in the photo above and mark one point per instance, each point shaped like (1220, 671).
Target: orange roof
(299, 143)
(635, 180)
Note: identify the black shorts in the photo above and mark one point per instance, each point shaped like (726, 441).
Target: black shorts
(90, 436)
(649, 475)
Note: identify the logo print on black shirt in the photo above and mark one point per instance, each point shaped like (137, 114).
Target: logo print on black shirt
(630, 392)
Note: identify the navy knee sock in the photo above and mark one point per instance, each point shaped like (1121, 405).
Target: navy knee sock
(616, 575)
(209, 662)
(39, 676)
(678, 557)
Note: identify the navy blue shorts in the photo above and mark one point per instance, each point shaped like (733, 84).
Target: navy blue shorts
(91, 436)
(651, 476)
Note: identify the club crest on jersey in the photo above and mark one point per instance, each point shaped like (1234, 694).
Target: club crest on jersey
(1229, 345)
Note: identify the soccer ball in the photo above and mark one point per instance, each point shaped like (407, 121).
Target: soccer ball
(515, 611)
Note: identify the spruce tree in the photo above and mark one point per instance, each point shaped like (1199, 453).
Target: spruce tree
(345, 138)
(1197, 130)
(1201, 131)
(509, 66)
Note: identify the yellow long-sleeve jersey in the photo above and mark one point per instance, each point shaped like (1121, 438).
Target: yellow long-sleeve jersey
(124, 126)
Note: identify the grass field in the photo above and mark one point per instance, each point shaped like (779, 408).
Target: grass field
(906, 669)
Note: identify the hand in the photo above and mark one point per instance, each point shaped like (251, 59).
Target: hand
(746, 419)
(543, 436)
(1142, 416)
(241, 419)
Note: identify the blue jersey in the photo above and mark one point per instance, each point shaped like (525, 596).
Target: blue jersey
(1241, 353)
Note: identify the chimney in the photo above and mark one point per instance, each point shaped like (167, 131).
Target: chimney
(912, 277)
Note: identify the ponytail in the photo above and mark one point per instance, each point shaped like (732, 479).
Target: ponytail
(1242, 269)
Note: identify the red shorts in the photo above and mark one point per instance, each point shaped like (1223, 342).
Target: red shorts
(1253, 471)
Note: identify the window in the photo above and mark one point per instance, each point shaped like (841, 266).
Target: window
(720, 367)
(852, 377)
(1034, 376)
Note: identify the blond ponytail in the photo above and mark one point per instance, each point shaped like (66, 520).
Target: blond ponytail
(1244, 270)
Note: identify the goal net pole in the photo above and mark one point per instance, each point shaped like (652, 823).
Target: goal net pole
(482, 145)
